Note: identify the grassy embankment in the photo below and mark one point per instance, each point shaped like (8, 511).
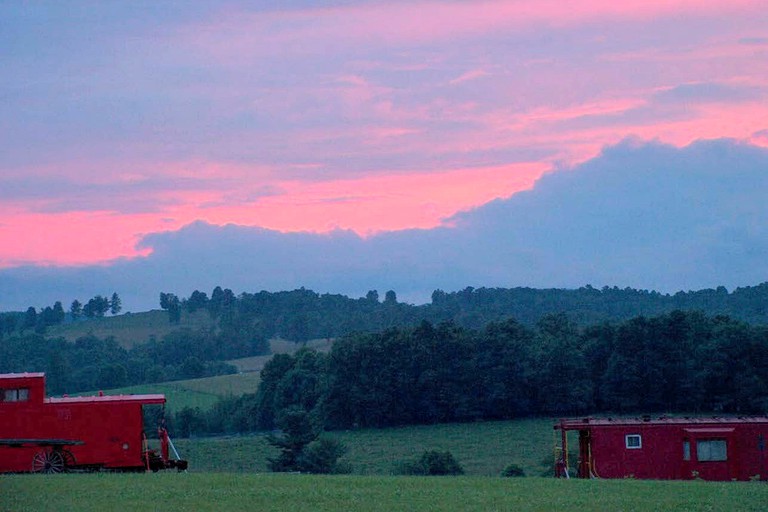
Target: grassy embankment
(203, 393)
(271, 492)
(135, 328)
(131, 328)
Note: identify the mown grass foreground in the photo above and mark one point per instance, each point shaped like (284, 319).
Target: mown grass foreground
(272, 492)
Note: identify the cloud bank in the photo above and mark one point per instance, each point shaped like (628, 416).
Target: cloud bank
(367, 115)
(641, 214)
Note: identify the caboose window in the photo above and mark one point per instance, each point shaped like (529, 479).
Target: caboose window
(15, 395)
(711, 450)
(633, 441)
(686, 450)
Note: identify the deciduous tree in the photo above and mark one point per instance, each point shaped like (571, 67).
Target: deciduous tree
(115, 304)
(76, 309)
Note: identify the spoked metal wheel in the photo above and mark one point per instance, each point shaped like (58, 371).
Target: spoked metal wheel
(49, 461)
(69, 459)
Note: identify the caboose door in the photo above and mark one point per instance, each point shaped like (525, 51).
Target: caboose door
(710, 453)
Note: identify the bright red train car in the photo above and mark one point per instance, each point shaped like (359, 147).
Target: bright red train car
(667, 448)
(52, 435)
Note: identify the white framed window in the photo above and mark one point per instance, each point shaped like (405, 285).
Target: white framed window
(15, 395)
(711, 450)
(633, 441)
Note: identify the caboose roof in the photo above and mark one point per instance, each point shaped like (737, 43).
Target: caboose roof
(715, 421)
(36, 375)
(142, 399)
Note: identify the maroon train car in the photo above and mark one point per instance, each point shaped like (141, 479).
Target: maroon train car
(667, 448)
(52, 435)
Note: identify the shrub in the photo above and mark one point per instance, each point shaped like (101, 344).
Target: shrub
(513, 470)
(322, 456)
(298, 429)
(431, 462)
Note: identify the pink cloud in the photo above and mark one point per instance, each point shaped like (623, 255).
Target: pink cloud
(71, 238)
(701, 122)
(469, 75)
(398, 22)
(366, 205)
(269, 146)
(379, 203)
(760, 138)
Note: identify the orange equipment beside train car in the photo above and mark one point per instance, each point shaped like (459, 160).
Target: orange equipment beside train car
(53, 435)
(666, 448)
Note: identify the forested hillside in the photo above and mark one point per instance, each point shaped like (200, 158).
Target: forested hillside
(301, 315)
(92, 363)
(206, 331)
(673, 363)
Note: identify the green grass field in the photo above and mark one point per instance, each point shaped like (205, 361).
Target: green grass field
(229, 473)
(223, 385)
(176, 394)
(483, 449)
(131, 328)
(205, 392)
(171, 492)
(281, 346)
(278, 346)
(250, 364)
(202, 393)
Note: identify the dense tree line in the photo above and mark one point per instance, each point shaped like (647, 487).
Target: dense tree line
(92, 363)
(676, 362)
(9, 322)
(31, 320)
(39, 321)
(298, 315)
(302, 314)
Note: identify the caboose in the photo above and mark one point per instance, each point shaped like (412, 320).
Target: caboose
(52, 435)
(667, 448)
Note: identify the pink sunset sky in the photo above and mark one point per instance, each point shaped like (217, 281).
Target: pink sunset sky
(123, 119)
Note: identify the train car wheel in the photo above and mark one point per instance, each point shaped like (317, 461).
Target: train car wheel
(69, 459)
(48, 462)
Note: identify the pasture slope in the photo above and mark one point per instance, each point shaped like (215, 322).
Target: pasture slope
(206, 391)
(482, 448)
(130, 329)
(171, 492)
(202, 393)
